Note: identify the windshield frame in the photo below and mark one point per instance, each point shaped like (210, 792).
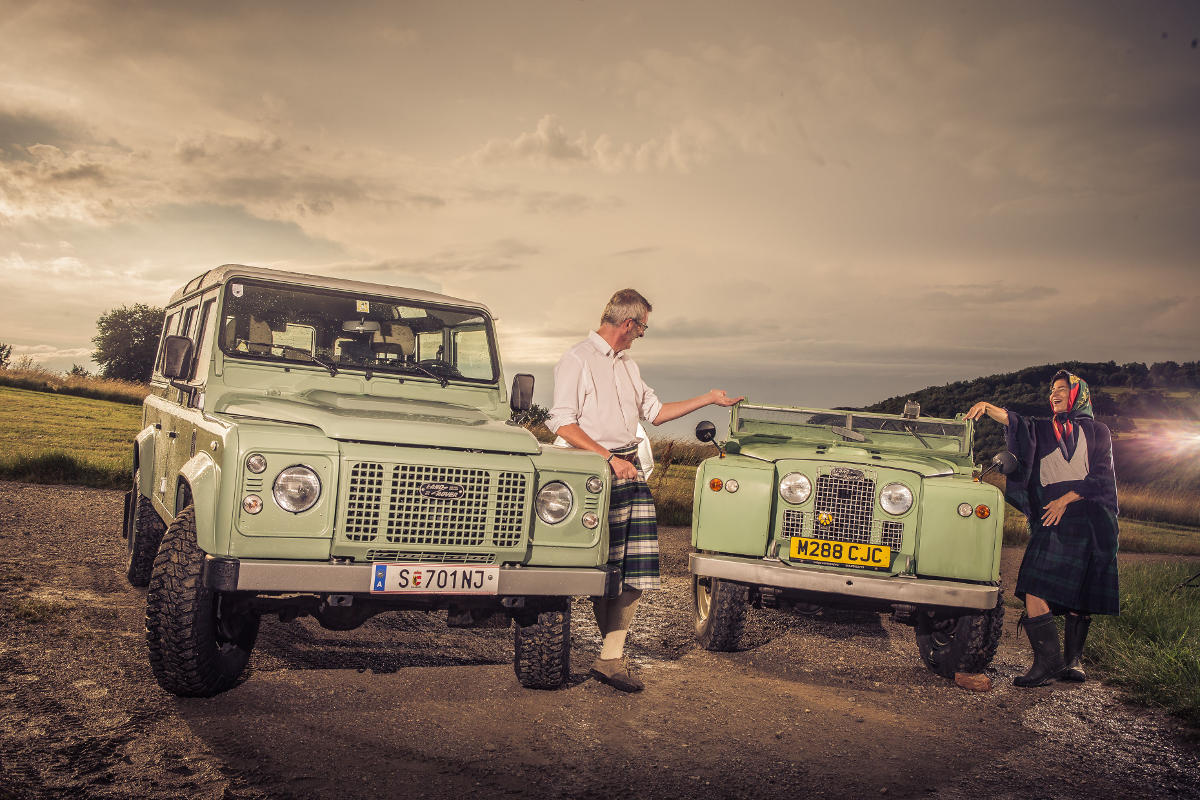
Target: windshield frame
(896, 435)
(402, 370)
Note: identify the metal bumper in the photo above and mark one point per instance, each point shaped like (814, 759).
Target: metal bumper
(886, 588)
(309, 577)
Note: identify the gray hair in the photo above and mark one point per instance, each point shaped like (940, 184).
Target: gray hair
(626, 304)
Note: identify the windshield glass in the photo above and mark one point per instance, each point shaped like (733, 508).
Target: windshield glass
(266, 321)
(773, 423)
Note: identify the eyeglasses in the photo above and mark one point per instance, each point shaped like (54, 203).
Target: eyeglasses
(642, 327)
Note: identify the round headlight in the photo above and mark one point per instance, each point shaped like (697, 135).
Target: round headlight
(594, 484)
(553, 502)
(795, 487)
(256, 463)
(296, 489)
(896, 498)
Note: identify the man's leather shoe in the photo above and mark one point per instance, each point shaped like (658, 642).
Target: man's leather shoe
(613, 672)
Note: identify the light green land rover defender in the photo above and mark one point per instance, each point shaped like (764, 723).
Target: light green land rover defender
(814, 508)
(337, 449)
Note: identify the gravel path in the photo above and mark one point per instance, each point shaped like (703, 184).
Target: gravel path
(830, 705)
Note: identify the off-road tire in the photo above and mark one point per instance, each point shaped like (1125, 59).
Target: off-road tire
(719, 612)
(542, 647)
(144, 534)
(965, 643)
(199, 640)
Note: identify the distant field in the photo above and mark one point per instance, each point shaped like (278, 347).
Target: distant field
(56, 438)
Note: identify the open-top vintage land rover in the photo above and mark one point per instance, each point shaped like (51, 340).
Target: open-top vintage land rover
(815, 508)
(335, 448)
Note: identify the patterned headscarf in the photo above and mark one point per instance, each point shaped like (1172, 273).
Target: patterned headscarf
(1079, 402)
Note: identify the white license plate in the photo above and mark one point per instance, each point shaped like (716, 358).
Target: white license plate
(434, 579)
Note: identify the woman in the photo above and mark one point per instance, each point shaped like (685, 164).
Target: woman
(1065, 472)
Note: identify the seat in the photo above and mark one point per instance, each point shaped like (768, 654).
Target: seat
(393, 340)
(260, 338)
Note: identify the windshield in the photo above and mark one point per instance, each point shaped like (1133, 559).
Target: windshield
(773, 423)
(337, 331)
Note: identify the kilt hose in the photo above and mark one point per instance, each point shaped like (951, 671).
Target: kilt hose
(633, 529)
(1073, 565)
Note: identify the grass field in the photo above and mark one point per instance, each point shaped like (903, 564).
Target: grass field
(56, 438)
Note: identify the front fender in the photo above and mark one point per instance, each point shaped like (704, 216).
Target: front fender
(203, 477)
(143, 453)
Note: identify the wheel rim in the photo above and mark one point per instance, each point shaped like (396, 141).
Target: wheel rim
(703, 597)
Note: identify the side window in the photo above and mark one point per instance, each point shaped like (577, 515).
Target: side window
(170, 326)
(202, 341)
(473, 358)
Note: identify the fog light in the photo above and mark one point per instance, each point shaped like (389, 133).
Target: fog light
(252, 504)
(715, 484)
(732, 486)
(965, 510)
(983, 512)
(590, 519)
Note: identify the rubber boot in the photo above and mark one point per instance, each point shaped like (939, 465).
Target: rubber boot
(1073, 638)
(1047, 655)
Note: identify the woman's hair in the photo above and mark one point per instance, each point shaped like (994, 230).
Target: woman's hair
(625, 304)
(1061, 375)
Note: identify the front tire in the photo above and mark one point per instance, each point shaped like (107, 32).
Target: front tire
(144, 531)
(542, 646)
(966, 643)
(200, 640)
(719, 612)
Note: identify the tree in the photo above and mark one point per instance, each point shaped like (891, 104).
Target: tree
(5, 354)
(78, 371)
(126, 341)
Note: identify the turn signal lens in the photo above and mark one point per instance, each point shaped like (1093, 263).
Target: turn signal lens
(252, 504)
(590, 519)
(983, 512)
(716, 484)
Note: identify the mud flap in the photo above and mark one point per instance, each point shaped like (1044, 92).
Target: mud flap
(130, 510)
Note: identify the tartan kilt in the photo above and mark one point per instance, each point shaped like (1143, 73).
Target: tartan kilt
(633, 531)
(1073, 565)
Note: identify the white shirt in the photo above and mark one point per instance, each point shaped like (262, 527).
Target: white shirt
(601, 391)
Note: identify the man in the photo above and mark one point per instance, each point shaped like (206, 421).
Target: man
(599, 397)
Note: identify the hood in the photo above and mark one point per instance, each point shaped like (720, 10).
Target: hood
(925, 466)
(388, 420)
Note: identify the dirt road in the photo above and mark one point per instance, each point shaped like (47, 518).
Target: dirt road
(831, 705)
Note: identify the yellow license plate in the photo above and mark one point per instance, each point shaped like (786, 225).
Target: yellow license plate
(860, 555)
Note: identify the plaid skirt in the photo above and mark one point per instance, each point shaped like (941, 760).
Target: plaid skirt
(1073, 565)
(633, 530)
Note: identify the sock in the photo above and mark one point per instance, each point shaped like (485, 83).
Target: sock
(619, 618)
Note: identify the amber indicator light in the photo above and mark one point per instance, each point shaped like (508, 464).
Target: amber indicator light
(983, 512)
(715, 484)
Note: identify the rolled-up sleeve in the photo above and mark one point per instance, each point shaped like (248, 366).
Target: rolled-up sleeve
(568, 392)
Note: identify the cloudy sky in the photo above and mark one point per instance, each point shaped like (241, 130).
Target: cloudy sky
(827, 203)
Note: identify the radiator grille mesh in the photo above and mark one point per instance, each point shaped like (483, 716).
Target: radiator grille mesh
(848, 498)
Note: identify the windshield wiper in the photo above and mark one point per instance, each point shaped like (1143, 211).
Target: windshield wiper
(920, 438)
(333, 371)
(846, 433)
(424, 371)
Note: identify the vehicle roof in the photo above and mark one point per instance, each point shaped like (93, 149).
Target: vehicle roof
(218, 275)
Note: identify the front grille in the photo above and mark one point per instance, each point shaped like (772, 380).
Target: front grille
(847, 497)
(413, 504)
(893, 534)
(793, 523)
(416, 556)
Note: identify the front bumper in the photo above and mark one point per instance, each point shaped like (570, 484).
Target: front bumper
(884, 588)
(314, 577)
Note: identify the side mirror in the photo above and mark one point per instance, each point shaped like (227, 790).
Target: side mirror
(1006, 462)
(177, 356)
(521, 397)
(706, 431)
